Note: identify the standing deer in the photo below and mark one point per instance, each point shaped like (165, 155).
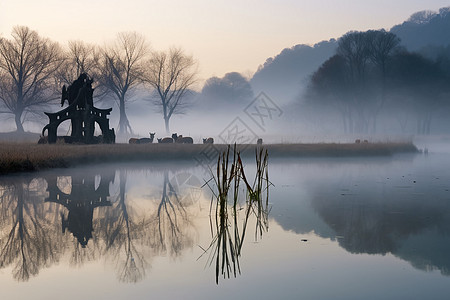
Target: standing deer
(142, 140)
(208, 141)
(166, 140)
(147, 140)
(182, 139)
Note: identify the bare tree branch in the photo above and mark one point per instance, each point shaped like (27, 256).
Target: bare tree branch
(27, 66)
(121, 68)
(171, 74)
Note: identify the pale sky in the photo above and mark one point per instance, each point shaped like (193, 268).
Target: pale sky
(223, 36)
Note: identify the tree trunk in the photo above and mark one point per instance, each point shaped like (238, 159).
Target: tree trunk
(124, 124)
(344, 120)
(350, 123)
(374, 124)
(428, 125)
(19, 125)
(166, 123)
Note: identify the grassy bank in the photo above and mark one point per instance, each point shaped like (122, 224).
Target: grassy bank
(19, 157)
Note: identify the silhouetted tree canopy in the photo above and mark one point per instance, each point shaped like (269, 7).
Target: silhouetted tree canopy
(80, 58)
(171, 73)
(233, 88)
(354, 79)
(331, 78)
(121, 69)
(420, 86)
(28, 64)
(370, 70)
(425, 28)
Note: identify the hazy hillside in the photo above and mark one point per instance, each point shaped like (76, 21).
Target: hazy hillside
(282, 77)
(425, 28)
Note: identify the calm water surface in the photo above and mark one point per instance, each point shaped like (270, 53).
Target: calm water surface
(366, 228)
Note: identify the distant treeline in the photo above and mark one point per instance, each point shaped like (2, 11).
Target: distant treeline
(376, 81)
(34, 69)
(371, 76)
(362, 82)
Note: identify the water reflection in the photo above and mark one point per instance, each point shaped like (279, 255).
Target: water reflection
(80, 203)
(87, 216)
(29, 238)
(227, 236)
(415, 228)
(228, 230)
(381, 207)
(130, 220)
(172, 231)
(122, 231)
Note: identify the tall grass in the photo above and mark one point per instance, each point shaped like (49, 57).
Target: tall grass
(258, 193)
(227, 235)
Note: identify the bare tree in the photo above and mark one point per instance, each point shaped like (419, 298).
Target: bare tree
(364, 52)
(27, 66)
(171, 74)
(383, 45)
(121, 69)
(330, 87)
(80, 58)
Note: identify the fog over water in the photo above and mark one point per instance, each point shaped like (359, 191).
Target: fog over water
(375, 84)
(366, 227)
(335, 225)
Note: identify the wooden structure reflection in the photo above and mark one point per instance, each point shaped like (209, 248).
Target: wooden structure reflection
(80, 203)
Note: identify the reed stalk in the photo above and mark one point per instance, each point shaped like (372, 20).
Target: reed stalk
(227, 239)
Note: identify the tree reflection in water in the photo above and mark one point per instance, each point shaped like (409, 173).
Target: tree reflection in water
(41, 217)
(133, 236)
(122, 230)
(170, 229)
(29, 240)
(368, 224)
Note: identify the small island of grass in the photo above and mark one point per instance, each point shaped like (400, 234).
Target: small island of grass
(26, 157)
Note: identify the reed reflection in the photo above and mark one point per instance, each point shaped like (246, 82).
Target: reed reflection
(227, 232)
(78, 216)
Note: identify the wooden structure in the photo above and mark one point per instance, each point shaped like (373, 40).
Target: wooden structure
(83, 115)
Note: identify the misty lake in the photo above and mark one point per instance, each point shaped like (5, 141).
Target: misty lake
(347, 228)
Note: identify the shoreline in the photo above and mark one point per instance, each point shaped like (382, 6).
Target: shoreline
(28, 157)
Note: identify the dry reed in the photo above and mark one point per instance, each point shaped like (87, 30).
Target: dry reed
(227, 238)
(16, 157)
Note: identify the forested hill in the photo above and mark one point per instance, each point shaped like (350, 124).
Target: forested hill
(425, 28)
(284, 75)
